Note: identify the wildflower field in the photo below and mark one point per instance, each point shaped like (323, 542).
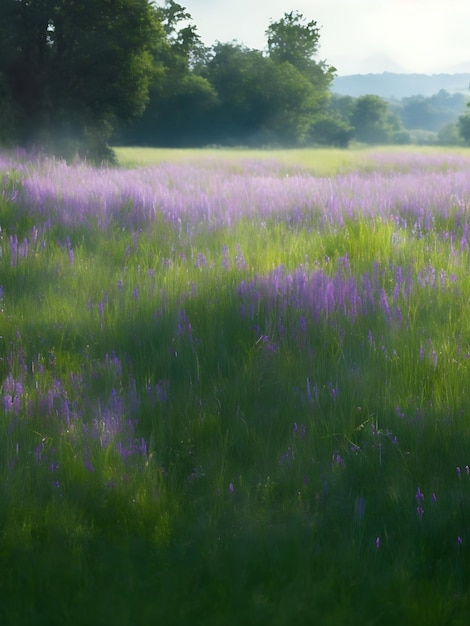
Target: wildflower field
(235, 389)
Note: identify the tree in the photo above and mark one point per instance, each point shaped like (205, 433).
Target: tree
(432, 113)
(239, 77)
(449, 135)
(331, 130)
(373, 123)
(463, 125)
(73, 69)
(417, 113)
(7, 114)
(464, 128)
(180, 100)
(294, 40)
(231, 94)
(260, 101)
(342, 106)
(183, 41)
(235, 73)
(293, 104)
(334, 127)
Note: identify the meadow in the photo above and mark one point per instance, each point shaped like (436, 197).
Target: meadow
(234, 388)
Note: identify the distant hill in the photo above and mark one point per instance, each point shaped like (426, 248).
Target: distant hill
(390, 85)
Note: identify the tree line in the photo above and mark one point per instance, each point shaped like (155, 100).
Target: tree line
(77, 75)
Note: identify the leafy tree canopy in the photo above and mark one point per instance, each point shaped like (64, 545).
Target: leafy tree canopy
(180, 99)
(73, 69)
(294, 40)
(73, 72)
(463, 126)
(432, 113)
(260, 101)
(372, 120)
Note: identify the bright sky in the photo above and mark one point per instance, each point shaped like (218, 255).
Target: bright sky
(357, 36)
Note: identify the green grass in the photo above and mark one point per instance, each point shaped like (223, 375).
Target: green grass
(270, 473)
(320, 161)
(323, 162)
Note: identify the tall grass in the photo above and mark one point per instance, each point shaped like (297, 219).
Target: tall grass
(234, 389)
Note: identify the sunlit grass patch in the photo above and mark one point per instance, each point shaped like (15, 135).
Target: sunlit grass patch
(321, 161)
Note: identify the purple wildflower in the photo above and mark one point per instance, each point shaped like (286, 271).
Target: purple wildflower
(13, 250)
(201, 260)
(334, 391)
(8, 402)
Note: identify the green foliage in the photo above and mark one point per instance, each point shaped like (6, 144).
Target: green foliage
(431, 113)
(73, 70)
(342, 106)
(373, 123)
(293, 40)
(230, 94)
(449, 135)
(180, 100)
(367, 119)
(259, 101)
(7, 114)
(331, 131)
(464, 128)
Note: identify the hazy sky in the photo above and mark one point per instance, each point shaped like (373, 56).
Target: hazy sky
(357, 36)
